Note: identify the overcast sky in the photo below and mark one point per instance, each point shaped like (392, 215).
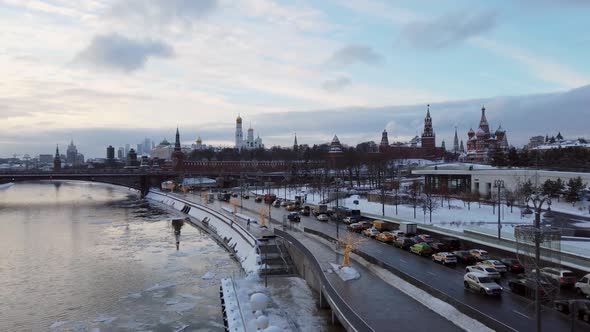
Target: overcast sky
(115, 71)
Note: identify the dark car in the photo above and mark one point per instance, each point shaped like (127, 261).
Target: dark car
(438, 246)
(404, 242)
(513, 265)
(356, 227)
(305, 212)
(452, 244)
(294, 216)
(234, 195)
(526, 287)
(258, 199)
(418, 239)
(245, 196)
(581, 306)
(464, 257)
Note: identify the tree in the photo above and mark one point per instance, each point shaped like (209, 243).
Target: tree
(575, 185)
(395, 188)
(510, 197)
(429, 203)
(468, 198)
(415, 192)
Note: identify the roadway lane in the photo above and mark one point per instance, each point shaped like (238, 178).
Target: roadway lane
(513, 310)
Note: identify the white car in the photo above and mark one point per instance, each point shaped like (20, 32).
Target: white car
(444, 258)
(485, 270)
(322, 217)
(371, 232)
(347, 220)
(583, 286)
(496, 264)
(482, 283)
(479, 254)
(397, 234)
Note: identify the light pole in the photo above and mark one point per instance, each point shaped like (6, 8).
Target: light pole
(498, 183)
(538, 200)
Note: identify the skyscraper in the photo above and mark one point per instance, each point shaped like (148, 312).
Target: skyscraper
(72, 154)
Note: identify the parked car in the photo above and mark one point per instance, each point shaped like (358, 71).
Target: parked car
(451, 243)
(322, 217)
(284, 203)
(583, 286)
(371, 232)
(404, 242)
(384, 237)
(418, 239)
(258, 199)
(482, 283)
(397, 234)
(305, 211)
(496, 264)
(294, 216)
(526, 287)
(348, 220)
(427, 238)
(421, 249)
(561, 277)
(438, 246)
(581, 306)
(245, 196)
(445, 258)
(488, 271)
(513, 265)
(465, 257)
(277, 203)
(291, 207)
(479, 254)
(234, 195)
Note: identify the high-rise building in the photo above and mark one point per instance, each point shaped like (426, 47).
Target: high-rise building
(126, 150)
(72, 154)
(110, 152)
(132, 158)
(121, 153)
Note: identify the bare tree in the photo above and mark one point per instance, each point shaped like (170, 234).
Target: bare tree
(510, 197)
(429, 203)
(415, 189)
(395, 187)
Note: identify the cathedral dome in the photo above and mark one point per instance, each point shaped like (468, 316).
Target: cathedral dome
(199, 141)
(500, 130)
(480, 132)
(239, 119)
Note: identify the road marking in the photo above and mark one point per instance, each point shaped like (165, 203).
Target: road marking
(403, 261)
(520, 313)
(434, 274)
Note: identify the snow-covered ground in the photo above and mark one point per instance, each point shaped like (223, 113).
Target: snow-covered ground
(309, 195)
(6, 185)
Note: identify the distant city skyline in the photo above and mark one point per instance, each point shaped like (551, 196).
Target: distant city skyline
(112, 72)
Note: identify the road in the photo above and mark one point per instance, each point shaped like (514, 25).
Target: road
(513, 310)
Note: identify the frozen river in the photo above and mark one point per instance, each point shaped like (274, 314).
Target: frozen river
(81, 257)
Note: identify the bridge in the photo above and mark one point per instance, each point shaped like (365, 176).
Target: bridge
(137, 179)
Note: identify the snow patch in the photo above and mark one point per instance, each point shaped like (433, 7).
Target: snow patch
(180, 307)
(208, 276)
(160, 287)
(345, 273)
(104, 319)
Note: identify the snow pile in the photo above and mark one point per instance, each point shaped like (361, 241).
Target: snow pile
(6, 185)
(345, 273)
(224, 227)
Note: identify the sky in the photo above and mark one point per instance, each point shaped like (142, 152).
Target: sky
(111, 72)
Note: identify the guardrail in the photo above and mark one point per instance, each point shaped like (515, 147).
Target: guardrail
(249, 238)
(464, 308)
(353, 320)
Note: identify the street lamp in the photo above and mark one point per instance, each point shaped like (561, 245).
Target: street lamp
(538, 200)
(498, 183)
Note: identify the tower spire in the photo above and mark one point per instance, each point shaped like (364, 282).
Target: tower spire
(177, 141)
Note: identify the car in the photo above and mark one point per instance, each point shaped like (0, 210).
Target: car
(305, 212)
(445, 258)
(421, 249)
(438, 246)
(583, 286)
(464, 257)
(384, 237)
(322, 217)
(291, 207)
(561, 277)
(371, 232)
(348, 220)
(355, 227)
(513, 265)
(526, 287)
(234, 195)
(426, 238)
(482, 283)
(246, 196)
(582, 308)
(294, 216)
(479, 254)
(451, 243)
(418, 239)
(284, 203)
(496, 264)
(258, 199)
(404, 242)
(397, 234)
(277, 203)
(488, 271)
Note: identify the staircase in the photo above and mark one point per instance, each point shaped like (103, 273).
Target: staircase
(275, 257)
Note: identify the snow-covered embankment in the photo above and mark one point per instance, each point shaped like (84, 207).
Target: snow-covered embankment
(243, 244)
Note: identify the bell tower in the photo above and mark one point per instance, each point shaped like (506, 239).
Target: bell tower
(428, 137)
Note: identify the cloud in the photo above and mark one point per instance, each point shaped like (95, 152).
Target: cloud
(449, 29)
(336, 84)
(118, 52)
(352, 54)
(161, 13)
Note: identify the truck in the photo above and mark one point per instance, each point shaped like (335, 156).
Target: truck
(320, 209)
(223, 196)
(383, 226)
(408, 227)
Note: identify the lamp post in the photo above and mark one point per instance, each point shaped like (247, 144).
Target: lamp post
(538, 200)
(498, 183)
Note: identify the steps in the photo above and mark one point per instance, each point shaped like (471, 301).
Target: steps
(275, 257)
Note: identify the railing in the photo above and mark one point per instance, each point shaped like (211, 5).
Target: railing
(346, 312)
(249, 238)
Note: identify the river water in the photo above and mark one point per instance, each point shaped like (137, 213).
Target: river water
(81, 256)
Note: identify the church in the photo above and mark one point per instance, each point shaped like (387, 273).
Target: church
(250, 143)
(482, 144)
